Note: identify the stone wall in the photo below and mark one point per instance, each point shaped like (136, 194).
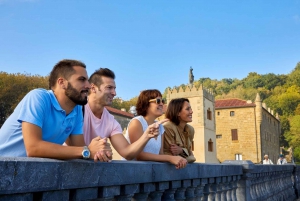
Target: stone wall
(123, 121)
(270, 133)
(27, 179)
(258, 133)
(246, 145)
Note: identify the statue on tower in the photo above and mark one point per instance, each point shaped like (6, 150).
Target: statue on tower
(191, 76)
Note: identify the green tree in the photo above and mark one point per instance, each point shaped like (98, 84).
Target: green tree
(253, 80)
(289, 100)
(294, 77)
(13, 87)
(293, 136)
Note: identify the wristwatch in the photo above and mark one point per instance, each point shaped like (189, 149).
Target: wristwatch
(86, 153)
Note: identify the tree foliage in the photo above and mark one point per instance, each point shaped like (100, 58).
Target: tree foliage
(13, 87)
(293, 135)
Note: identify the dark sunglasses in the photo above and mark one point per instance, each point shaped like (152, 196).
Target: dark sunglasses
(157, 100)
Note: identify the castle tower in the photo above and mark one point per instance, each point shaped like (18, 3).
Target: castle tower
(203, 104)
(258, 115)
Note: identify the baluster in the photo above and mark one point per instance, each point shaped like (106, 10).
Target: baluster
(189, 190)
(205, 192)
(224, 189)
(218, 188)
(140, 196)
(234, 188)
(180, 194)
(230, 189)
(212, 192)
(197, 189)
(107, 193)
(156, 195)
(106, 199)
(124, 197)
(168, 195)
(127, 192)
(160, 187)
(200, 188)
(190, 193)
(259, 186)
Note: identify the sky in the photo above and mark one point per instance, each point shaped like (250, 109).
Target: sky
(151, 44)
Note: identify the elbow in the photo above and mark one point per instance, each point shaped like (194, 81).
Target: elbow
(129, 157)
(31, 152)
(139, 158)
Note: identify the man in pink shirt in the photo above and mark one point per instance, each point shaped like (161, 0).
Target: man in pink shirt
(99, 122)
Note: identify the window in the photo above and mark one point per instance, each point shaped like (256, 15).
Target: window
(218, 136)
(193, 146)
(231, 113)
(238, 157)
(218, 113)
(210, 145)
(234, 134)
(209, 114)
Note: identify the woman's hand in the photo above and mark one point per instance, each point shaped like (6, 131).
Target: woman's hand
(175, 149)
(178, 161)
(153, 130)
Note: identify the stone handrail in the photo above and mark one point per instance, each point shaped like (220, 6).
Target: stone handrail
(48, 179)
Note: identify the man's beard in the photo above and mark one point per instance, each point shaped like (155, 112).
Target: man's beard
(76, 96)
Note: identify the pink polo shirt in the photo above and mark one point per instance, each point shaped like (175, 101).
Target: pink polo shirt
(107, 126)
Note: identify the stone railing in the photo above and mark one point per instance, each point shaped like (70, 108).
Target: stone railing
(46, 179)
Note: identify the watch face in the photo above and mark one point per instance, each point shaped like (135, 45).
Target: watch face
(86, 154)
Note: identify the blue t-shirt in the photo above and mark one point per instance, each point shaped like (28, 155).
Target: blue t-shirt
(39, 107)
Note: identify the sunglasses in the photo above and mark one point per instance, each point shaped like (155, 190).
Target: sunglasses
(157, 100)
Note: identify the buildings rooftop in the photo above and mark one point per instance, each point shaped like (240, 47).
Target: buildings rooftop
(233, 102)
(119, 112)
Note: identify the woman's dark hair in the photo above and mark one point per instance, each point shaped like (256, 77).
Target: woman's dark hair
(63, 68)
(143, 100)
(174, 107)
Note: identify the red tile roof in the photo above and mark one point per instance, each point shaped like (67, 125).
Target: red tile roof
(119, 112)
(233, 102)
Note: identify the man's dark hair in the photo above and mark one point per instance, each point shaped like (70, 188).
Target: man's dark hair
(63, 68)
(174, 107)
(96, 77)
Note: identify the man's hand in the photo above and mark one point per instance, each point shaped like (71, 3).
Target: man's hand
(175, 149)
(100, 150)
(178, 161)
(153, 130)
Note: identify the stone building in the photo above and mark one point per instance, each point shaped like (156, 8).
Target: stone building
(121, 116)
(202, 102)
(246, 130)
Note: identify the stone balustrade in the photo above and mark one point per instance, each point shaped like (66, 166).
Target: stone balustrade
(27, 179)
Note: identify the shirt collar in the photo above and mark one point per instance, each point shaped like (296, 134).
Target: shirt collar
(57, 106)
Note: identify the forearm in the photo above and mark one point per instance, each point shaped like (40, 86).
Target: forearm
(145, 156)
(132, 150)
(45, 149)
